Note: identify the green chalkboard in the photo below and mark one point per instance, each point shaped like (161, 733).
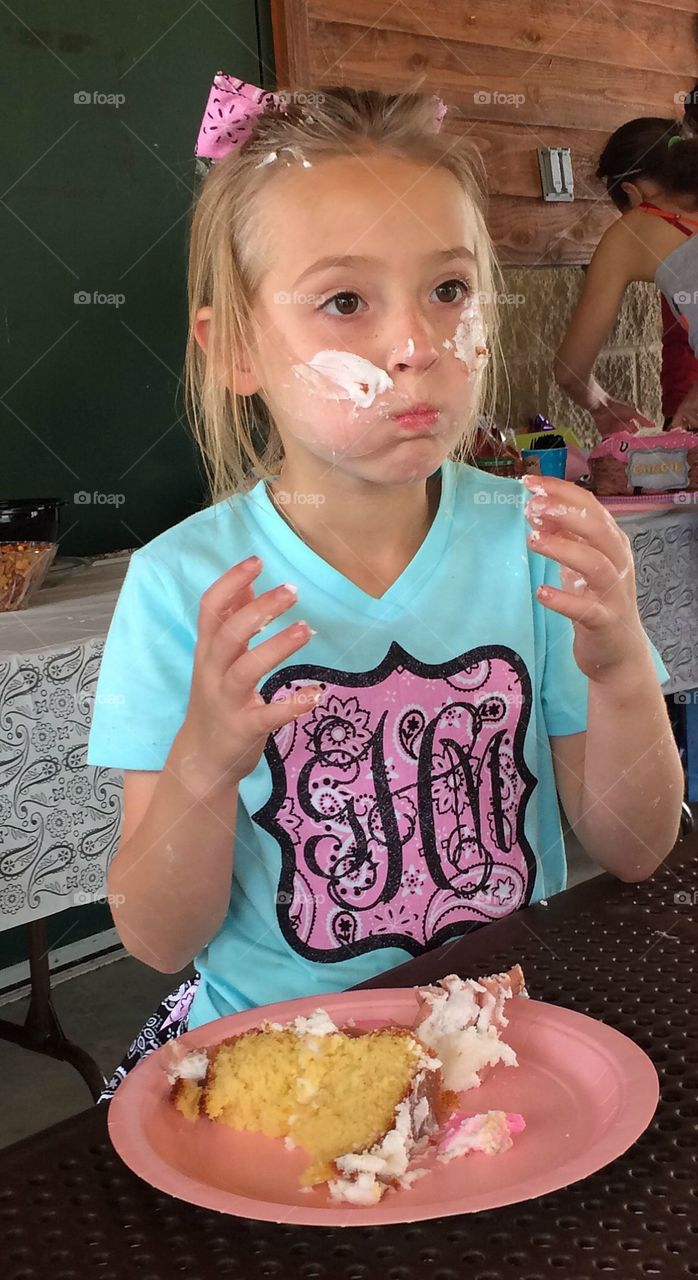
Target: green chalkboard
(97, 200)
(101, 112)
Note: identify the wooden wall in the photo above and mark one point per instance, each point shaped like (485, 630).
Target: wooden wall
(517, 75)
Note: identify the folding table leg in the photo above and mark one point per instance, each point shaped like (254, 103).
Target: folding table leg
(691, 709)
(41, 1030)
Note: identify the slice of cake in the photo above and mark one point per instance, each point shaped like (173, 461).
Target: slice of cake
(363, 1105)
(334, 1093)
(461, 1020)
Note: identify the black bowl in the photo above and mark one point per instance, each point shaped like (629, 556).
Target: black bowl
(30, 519)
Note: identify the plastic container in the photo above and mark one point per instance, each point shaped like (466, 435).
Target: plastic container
(28, 545)
(552, 461)
(30, 519)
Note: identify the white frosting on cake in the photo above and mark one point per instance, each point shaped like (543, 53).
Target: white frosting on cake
(356, 378)
(364, 1189)
(193, 1066)
(367, 1174)
(369, 1171)
(318, 1023)
(462, 1027)
(489, 1132)
(305, 1089)
(464, 1054)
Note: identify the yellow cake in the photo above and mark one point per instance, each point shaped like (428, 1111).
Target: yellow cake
(361, 1104)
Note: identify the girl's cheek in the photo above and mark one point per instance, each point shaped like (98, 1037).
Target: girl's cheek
(468, 346)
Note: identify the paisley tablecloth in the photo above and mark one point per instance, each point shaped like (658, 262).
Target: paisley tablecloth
(665, 551)
(59, 817)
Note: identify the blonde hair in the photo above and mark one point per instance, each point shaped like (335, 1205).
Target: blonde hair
(236, 435)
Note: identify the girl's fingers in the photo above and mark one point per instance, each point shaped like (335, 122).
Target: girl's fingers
(596, 569)
(221, 597)
(244, 596)
(243, 674)
(283, 710)
(246, 620)
(557, 504)
(578, 608)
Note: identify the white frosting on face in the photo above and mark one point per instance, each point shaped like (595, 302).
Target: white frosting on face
(352, 377)
(470, 338)
(193, 1066)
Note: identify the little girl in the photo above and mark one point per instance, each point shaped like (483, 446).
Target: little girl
(346, 695)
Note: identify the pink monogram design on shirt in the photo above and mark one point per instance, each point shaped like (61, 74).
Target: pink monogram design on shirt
(399, 802)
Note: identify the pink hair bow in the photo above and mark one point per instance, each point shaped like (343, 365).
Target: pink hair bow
(232, 108)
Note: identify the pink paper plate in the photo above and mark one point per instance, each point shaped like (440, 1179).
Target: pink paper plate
(585, 1090)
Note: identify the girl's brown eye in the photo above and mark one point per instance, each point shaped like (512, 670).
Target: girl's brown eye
(336, 298)
(448, 284)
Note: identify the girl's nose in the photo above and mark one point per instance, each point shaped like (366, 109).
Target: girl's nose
(417, 350)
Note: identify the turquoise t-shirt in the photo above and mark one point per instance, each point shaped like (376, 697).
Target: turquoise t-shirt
(418, 800)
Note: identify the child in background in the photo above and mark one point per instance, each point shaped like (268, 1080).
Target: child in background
(346, 695)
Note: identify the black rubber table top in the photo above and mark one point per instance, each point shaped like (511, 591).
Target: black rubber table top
(624, 953)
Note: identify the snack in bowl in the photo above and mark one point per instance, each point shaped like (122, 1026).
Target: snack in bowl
(23, 567)
(363, 1105)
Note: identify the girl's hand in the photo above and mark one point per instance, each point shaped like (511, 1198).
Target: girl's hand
(616, 415)
(227, 721)
(597, 575)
